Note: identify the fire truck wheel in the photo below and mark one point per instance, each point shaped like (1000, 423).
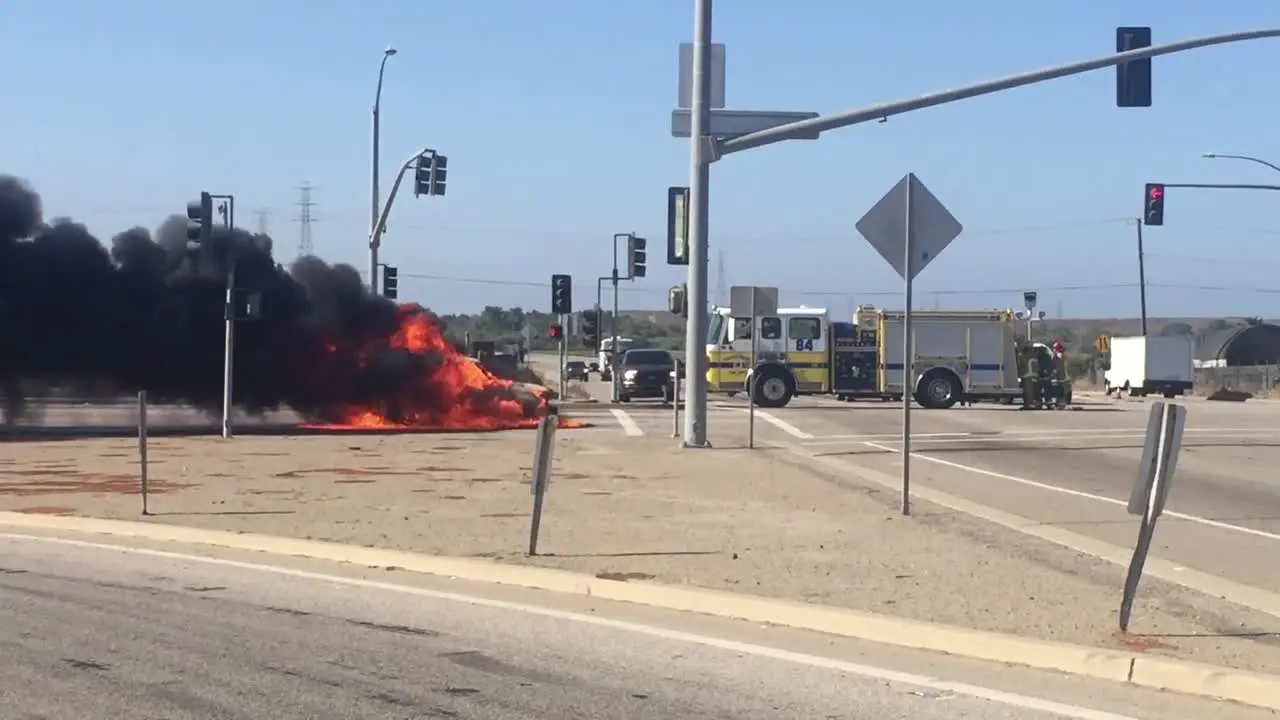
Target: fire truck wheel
(939, 389)
(773, 387)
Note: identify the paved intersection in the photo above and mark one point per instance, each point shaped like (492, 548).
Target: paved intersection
(1068, 470)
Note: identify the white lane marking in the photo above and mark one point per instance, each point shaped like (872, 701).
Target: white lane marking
(1047, 436)
(1208, 522)
(1026, 702)
(779, 423)
(629, 425)
(980, 434)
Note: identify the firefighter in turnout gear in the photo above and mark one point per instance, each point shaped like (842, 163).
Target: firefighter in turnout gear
(1044, 377)
(1032, 394)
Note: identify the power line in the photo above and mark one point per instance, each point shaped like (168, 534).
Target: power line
(305, 218)
(957, 292)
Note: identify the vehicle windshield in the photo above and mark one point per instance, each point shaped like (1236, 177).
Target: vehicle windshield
(576, 364)
(648, 357)
(714, 327)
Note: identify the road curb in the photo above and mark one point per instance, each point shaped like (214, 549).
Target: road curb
(1257, 689)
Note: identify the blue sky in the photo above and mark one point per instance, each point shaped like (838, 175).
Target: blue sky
(555, 117)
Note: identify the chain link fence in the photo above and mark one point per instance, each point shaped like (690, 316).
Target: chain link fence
(1252, 379)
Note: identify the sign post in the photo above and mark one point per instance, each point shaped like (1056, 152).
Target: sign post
(540, 477)
(1151, 491)
(908, 227)
(753, 302)
(144, 480)
(1029, 300)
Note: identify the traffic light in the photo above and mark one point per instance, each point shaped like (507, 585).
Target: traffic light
(246, 305)
(1133, 78)
(556, 332)
(199, 221)
(635, 257)
(1154, 199)
(390, 282)
(561, 294)
(429, 174)
(678, 300)
(591, 328)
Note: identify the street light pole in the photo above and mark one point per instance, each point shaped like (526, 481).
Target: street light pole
(374, 210)
(1247, 158)
(701, 154)
(1142, 277)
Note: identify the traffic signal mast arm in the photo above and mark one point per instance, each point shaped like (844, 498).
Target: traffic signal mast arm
(1155, 193)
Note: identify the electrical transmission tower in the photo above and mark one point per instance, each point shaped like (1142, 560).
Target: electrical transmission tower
(305, 218)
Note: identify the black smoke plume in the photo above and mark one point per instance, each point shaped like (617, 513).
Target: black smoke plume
(138, 314)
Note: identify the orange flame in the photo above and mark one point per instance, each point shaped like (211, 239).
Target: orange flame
(452, 392)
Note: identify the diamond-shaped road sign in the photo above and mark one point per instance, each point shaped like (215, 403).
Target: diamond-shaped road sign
(909, 208)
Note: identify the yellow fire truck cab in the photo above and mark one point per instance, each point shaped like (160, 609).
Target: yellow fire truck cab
(959, 355)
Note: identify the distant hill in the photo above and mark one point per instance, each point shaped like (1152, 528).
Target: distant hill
(1131, 326)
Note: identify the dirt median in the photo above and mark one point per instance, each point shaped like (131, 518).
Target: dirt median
(746, 521)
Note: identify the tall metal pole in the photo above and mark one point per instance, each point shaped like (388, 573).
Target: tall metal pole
(614, 380)
(1142, 277)
(599, 326)
(751, 377)
(374, 209)
(228, 347)
(908, 354)
(700, 140)
(562, 353)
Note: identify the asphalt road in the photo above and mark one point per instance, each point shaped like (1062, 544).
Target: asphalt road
(1075, 469)
(1071, 469)
(91, 632)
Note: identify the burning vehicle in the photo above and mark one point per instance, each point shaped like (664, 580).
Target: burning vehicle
(136, 314)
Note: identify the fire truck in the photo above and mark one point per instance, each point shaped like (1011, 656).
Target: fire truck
(960, 355)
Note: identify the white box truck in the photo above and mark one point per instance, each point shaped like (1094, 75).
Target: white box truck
(1152, 365)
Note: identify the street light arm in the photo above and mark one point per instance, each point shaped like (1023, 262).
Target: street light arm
(378, 227)
(800, 129)
(1249, 158)
(382, 70)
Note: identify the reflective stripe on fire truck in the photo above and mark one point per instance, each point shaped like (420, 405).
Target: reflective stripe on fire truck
(727, 370)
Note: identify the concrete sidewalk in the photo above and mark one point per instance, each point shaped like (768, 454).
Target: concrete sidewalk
(754, 522)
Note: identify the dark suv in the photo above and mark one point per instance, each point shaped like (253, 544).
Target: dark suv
(577, 370)
(646, 373)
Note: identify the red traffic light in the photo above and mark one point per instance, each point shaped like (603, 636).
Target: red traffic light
(556, 331)
(1156, 192)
